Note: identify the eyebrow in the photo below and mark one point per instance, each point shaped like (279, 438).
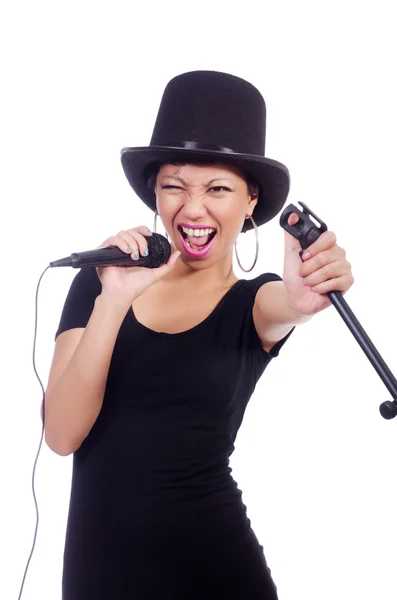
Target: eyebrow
(206, 184)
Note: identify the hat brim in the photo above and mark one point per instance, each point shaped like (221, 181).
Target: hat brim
(272, 176)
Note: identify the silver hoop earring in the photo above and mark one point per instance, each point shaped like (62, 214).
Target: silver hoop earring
(155, 225)
(256, 251)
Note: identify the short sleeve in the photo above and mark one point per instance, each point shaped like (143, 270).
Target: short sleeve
(79, 303)
(253, 286)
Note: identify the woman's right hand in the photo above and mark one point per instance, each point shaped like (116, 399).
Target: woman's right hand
(127, 283)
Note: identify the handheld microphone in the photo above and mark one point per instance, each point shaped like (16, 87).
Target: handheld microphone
(159, 253)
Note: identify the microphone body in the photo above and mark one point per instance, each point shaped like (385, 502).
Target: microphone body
(159, 253)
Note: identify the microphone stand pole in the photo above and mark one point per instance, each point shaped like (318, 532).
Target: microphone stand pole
(306, 232)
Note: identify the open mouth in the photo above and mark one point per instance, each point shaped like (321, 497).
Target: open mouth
(197, 240)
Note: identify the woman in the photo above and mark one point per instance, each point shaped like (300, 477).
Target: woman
(153, 368)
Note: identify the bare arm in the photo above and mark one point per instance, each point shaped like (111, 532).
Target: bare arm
(273, 318)
(78, 375)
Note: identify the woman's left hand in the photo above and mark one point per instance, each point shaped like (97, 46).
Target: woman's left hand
(324, 270)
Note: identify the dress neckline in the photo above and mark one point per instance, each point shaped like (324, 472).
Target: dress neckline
(195, 328)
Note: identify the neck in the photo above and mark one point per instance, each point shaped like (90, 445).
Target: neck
(219, 274)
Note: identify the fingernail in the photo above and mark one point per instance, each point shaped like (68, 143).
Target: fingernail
(149, 231)
(129, 249)
(145, 252)
(136, 255)
(305, 255)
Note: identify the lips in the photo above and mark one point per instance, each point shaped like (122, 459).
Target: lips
(194, 245)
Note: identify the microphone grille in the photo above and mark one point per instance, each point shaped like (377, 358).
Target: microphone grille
(159, 250)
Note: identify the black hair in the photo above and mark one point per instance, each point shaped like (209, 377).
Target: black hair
(153, 170)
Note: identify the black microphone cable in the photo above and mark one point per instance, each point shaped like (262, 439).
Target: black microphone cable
(41, 440)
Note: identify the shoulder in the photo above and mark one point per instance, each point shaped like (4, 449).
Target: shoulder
(267, 290)
(261, 285)
(268, 312)
(80, 299)
(86, 282)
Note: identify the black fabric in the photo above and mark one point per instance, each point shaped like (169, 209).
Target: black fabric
(155, 513)
(205, 106)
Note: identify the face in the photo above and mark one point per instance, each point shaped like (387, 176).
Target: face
(203, 208)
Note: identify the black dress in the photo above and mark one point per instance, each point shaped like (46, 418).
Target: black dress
(155, 513)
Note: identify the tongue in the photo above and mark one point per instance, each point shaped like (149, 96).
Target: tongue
(198, 242)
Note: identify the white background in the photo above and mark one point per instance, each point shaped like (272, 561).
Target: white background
(80, 80)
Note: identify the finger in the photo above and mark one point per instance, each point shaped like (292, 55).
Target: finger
(293, 219)
(341, 284)
(143, 230)
(322, 259)
(173, 258)
(105, 244)
(126, 243)
(137, 243)
(332, 270)
(132, 242)
(138, 239)
(116, 240)
(159, 272)
(291, 244)
(324, 242)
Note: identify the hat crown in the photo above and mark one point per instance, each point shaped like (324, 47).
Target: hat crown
(212, 109)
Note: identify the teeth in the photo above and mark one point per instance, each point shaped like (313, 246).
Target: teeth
(197, 232)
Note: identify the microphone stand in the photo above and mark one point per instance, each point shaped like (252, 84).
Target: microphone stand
(306, 232)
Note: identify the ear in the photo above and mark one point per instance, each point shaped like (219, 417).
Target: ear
(253, 200)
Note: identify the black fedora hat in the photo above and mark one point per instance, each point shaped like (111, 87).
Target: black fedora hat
(215, 117)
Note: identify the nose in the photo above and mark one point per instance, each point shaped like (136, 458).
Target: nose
(194, 207)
